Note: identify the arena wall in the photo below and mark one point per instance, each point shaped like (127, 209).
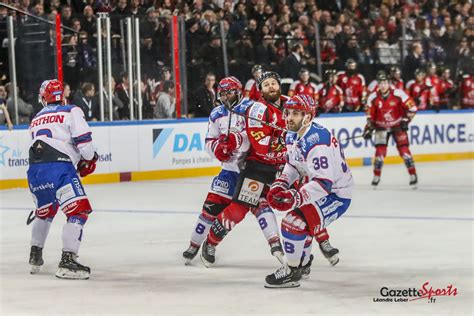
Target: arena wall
(151, 150)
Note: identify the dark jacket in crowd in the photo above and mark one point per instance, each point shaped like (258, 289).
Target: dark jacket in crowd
(202, 102)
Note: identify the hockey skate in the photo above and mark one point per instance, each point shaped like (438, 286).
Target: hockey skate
(413, 181)
(375, 181)
(277, 251)
(36, 259)
(69, 268)
(306, 269)
(208, 254)
(190, 253)
(284, 277)
(329, 252)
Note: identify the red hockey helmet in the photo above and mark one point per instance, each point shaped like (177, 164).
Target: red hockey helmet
(301, 102)
(51, 91)
(229, 84)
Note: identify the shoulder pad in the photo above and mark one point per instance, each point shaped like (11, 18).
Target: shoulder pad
(257, 110)
(316, 136)
(371, 97)
(218, 112)
(242, 107)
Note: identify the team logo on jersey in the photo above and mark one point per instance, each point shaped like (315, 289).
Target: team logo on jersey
(160, 136)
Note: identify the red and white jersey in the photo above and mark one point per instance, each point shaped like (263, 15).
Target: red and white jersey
(397, 84)
(388, 112)
(218, 125)
(354, 89)
(446, 87)
(298, 87)
(466, 91)
(419, 92)
(434, 82)
(373, 86)
(318, 156)
(64, 128)
(266, 143)
(251, 90)
(329, 97)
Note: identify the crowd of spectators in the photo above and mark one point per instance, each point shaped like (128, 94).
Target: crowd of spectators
(280, 35)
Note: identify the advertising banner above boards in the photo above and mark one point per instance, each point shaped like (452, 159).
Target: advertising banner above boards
(176, 148)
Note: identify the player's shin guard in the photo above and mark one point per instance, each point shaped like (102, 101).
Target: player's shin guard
(40, 231)
(268, 224)
(294, 232)
(72, 233)
(201, 229)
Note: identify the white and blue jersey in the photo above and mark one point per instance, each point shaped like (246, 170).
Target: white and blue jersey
(318, 156)
(224, 184)
(60, 138)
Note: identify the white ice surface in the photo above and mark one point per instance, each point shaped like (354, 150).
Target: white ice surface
(393, 237)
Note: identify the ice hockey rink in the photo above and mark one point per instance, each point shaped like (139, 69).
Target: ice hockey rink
(391, 237)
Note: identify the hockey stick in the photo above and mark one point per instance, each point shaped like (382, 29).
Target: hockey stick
(30, 218)
(350, 138)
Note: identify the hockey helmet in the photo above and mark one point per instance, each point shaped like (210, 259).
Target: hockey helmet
(267, 75)
(301, 102)
(229, 84)
(51, 92)
(256, 68)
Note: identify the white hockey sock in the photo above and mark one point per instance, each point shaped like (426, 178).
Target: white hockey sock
(293, 245)
(39, 231)
(72, 236)
(268, 224)
(307, 250)
(201, 229)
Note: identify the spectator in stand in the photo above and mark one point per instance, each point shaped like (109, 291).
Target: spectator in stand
(165, 103)
(121, 92)
(292, 64)
(204, 98)
(67, 94)
(121, 11)
(412, 62)
(4, 115)
(76, 25)
(136, 9)
(66, 15)
(84, 99)
(25, 110)
(88, 22)
(265, 53)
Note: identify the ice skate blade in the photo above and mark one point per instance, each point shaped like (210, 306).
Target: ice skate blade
(305, 277)
(283, 286)
(63, 273)
(35, 269)
(206, 263)
(333, 260)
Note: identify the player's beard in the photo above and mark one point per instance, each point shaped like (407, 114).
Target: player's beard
(293, 126)
(272, 96)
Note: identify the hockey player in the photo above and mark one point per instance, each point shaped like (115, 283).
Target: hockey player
(265, 157)
(61, 140)
(433, 81)
(329, 96)
(446, 86)
(220, 143)
(396, 78)
(312, 151)
(466, 91)
(353, 86)
(418, 91)
(251, 90)
(266, 153)
(389, 113)
(303, 85)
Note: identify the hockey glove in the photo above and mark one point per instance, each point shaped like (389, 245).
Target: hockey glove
(368, 130)
(86, 167)
(286, 200)
(234, 141)
(404, 124)
(279, 185)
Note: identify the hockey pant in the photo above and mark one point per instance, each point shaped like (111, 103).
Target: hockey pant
(401, 139)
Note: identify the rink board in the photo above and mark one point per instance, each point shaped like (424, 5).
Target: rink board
(151, 150)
